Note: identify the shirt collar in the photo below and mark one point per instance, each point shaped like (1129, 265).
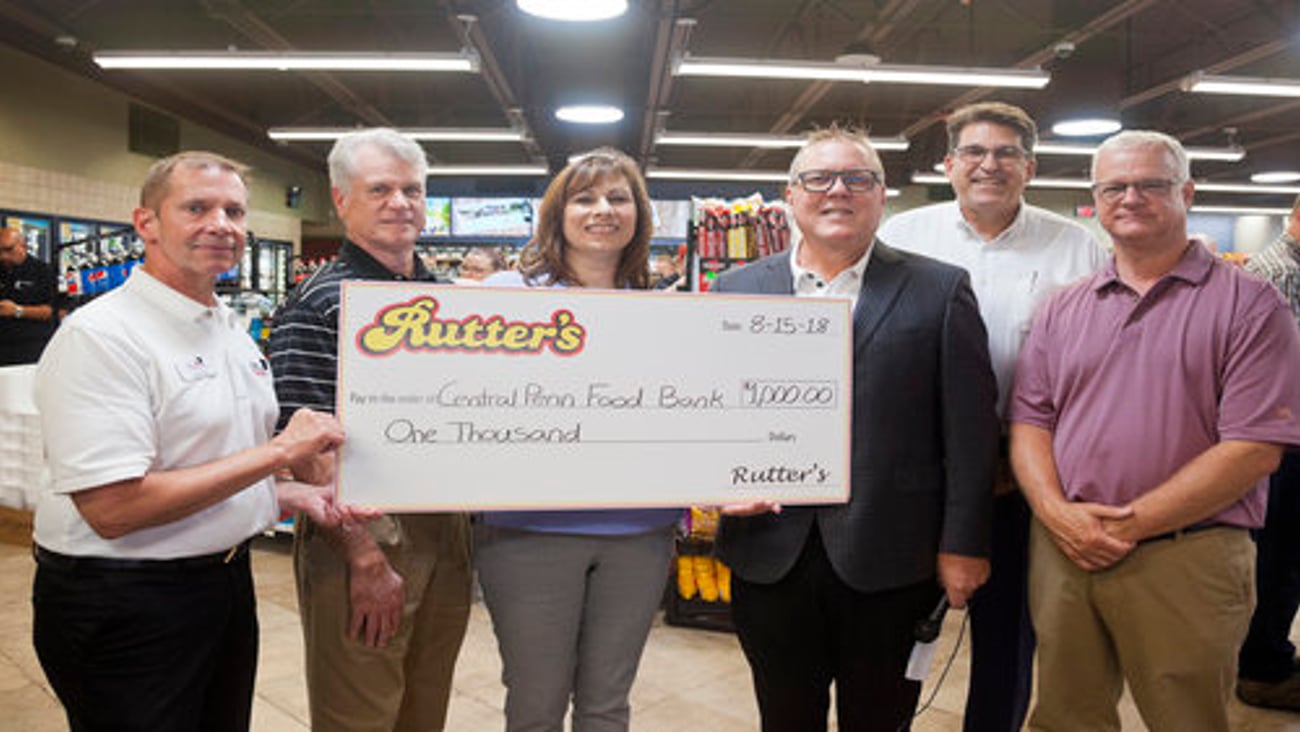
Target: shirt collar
(370, 268)
(168, 300)
(1009, 234)
(1192, 268)
(1292, 246)
(856, 270)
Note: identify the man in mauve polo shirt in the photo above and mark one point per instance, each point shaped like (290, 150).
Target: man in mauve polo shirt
(1151, 402)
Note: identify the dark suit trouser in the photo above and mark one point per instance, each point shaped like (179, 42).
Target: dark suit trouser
(165, 649)
(1002, 636)
(1268, 654)
(810, 629)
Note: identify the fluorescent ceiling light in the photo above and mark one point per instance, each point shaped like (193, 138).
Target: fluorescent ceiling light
(429, 134)
(1276, 176)
(933, 179)
(470, 170)
(1246, 188)
(1211, 84)
(722, 139)
(1083, 184)
(574, 10)
(878, 73)
(275, 61)
(1086, 127)
(775, 176)
(766, 176)
(1242, 210)
(1053, 147)
(589, 114)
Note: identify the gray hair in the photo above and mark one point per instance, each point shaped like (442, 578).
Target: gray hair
(1129, 139)
(342, 157)
(835, 133)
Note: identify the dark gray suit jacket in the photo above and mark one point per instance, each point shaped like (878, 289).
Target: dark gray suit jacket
(925, 432)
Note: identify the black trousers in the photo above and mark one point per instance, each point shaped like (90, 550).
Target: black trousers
(1268, 654)
(810, 629)
(171, 647)
(1002, 636)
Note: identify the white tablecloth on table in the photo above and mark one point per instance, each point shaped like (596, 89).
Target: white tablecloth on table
(23, 471)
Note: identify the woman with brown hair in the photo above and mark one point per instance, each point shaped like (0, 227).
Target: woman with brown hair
(572, 593)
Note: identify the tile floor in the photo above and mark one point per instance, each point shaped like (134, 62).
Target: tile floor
(690, 681)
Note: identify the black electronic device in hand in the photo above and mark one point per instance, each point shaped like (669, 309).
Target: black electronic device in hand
(927, 629)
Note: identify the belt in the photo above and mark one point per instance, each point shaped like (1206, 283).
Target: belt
(1185, 531)
(66, 563)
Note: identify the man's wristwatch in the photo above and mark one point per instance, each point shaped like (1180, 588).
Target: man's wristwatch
(18, 311)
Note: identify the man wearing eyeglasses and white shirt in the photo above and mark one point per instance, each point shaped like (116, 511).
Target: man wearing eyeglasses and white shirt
(831, 594)
(1151, 402)
(1017, 255)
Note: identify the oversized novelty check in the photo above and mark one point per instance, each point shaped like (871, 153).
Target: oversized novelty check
(486, 398)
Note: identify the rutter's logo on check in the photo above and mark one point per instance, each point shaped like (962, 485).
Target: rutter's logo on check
(413, 326)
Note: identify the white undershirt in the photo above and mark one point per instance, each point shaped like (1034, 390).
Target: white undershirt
(847, 283)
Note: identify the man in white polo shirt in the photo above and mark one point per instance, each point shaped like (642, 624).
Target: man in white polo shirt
(158, 411)
(1017, 255)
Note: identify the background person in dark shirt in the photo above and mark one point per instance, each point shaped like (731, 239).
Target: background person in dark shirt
(27, 290)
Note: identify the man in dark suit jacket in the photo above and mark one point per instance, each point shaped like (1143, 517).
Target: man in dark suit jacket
(831, 593)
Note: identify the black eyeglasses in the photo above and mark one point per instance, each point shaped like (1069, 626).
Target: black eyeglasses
(974, 154)
(1116, 190)
(858, 180)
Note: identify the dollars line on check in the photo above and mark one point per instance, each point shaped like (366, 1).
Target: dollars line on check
(459, 432)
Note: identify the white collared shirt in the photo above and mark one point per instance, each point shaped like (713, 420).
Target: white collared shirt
(145, 379)
(847, 283)
(1011, 274)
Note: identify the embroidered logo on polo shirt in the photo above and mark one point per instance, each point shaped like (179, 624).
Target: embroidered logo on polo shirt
(194, 369)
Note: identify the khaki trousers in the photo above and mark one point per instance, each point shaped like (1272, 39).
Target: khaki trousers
(1168, 619)
(404, 687)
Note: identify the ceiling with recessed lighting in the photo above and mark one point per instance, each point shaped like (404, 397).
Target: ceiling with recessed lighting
(1127, 56)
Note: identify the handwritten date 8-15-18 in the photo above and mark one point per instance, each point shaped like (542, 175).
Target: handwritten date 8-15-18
(782, 325)
(789, 325)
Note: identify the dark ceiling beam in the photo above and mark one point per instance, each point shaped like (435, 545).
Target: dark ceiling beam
(1241, 119)
(38, 24)
(243, 20)
(1097, 25)
(495, 78)
(1274, 141)
(1259, 52)
(873, 34)
(670, 39)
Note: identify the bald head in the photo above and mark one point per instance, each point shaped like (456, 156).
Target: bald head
(13, 247)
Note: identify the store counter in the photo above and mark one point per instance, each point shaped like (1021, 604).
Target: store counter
(23, 471)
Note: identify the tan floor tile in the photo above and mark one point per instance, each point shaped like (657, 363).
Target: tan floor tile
(469, 713)
(287, 695)
(937, 720)
(683, 714)
(270, 718)
(11, 677)
(31, 708)
(690, 680)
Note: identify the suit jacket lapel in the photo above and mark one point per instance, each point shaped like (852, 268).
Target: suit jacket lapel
(882, 283)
